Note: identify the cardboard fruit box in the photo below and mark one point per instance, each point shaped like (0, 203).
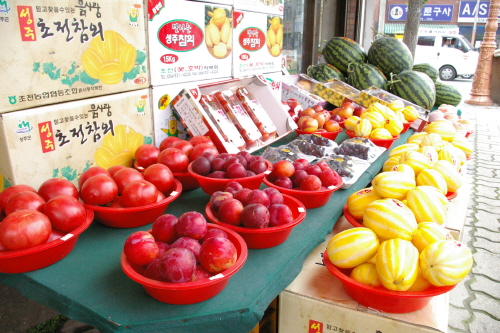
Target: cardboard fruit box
(257, 42)
(275, 7)
(63, 140)
(189, 41)
(63, 50)
(200, 114)
(304, 97)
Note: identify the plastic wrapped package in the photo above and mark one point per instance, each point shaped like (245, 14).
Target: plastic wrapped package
(275, 154)
(314, 145)
(317, 140)
(240, 118)
(359, 147)
(349, 168)
(257, 113)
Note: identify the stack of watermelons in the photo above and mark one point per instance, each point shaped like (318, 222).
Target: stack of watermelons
(389, 65)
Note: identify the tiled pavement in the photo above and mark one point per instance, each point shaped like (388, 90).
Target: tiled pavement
(474, 303)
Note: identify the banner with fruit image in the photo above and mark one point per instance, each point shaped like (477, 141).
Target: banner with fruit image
(218, 31)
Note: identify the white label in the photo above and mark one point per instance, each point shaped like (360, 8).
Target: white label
(66, 237)
(191, 116)
(215, 277)
(301, 209)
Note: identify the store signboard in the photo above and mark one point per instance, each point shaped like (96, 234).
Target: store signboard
(434, 13)
(467, 11)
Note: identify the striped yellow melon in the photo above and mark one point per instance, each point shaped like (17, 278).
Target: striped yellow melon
(462, 158)
(373, 259)
(396, 105)
(393, 125)
(390, 163)
(377, 107)
(434, 140)
(400, 115)
(397, 151)
(431, 177)
(376, 119)
(429, 233)
(366, 273)
(380, 133)
(420, 283)
(430, 152)
(443, 128)
(410, 113)
(450, 174)
(350, 122)
(352, 247)
(363, 128)
(445, 263)
(463, 144)
(416, 138)
(390, 218)
(390, 114)
(450, 154)
(357, 201)
(397, 264)
(416, 160)
(393, 184)
(426, 205)
(404, 168)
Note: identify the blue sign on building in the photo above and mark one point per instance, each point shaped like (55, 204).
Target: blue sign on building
(429, 13)
(467, 11)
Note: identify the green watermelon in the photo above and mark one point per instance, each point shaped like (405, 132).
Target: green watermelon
(341, 51)
(362, 76)
(390, 55)
(428, 69)
(324, 72)
(447, 94)
(415, 87)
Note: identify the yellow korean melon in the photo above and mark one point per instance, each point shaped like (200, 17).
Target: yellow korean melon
(430, 152)
(380, 133)
(443, 128)
(411, 114)
(393, 184)
(404, 168)
(350, 122)
(352, 247)
(416, 137)
(400, 115)
(390, 163)
(377, 107)
(426, 205)
(434, 140)
(375, 118)
(397, 151)
(445, 263)
(416, 160)
(397, 264)
(463, 144)
(393, 125)
(431, 177)
(357, 201)
(450, 174)
(390, 218)
(429, 233)
(450, 154)
(363, 128)
(420, 283)
(366, 273)
(396, 105)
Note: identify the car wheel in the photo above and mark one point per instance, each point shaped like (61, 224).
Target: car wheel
(447, 73)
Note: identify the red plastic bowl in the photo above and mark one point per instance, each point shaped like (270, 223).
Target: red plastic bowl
(188, 292)
(59, 245)
(132, 217)
(451, 195)
(188, 181)
(383, 299)
(406, 126)
(342, 123)
(266, 237)
(211, 185)
(310, 199)
(328, 135)
(351, 219)
(385, 143)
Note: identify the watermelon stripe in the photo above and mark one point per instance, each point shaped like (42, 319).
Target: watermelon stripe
(340, 52)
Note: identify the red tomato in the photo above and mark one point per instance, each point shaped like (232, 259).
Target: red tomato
(147, 155)
(197, 139)
(57, 186)
(117, 203)
(24, 200)
(24, 229)
(175, 159)
(183, 145)
(160, 176)
(112, 170)
(92, 171)
(125, 176)
(65, 212)
(139, 193)
(10, 191)
(161, 197)
(99, 190)
(201, 148)
(168, 142)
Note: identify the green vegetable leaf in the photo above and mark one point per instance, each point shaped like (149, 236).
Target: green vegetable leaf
(68, 173)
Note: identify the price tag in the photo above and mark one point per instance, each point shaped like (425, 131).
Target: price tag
(301, 209)
(215, 277)
(66, 237)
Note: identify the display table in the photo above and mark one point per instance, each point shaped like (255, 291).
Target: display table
(90, 286)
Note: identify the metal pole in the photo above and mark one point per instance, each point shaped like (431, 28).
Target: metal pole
(481, 85)
(473, 38)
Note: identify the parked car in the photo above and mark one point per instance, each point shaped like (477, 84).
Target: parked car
(451, 54)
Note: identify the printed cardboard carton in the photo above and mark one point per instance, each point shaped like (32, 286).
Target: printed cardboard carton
(56, 51)
(275, 7)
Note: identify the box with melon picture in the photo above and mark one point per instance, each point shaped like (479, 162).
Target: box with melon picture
(275, 80)
(237, 114)
(190, 41)
(65, 139)
(257, 43)
(293, 89)
(64, 50)
(275, 7)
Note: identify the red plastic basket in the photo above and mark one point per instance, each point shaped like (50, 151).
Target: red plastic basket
(188, 292)
(59, 245)
(188, 181)
(351, 219)
(266, 237)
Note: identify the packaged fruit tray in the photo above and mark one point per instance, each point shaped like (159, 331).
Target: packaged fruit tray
(349, 168)
(361, 148)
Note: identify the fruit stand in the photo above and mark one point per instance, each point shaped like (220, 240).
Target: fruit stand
(101, 295)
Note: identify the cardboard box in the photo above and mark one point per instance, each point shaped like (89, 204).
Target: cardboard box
(275, 80)
(53, 50)
(317, 302)
(198, 122)
(334, 91)
(257, 43)
(190, 41)
(275, 7)
(304, 97)
(63, 140)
